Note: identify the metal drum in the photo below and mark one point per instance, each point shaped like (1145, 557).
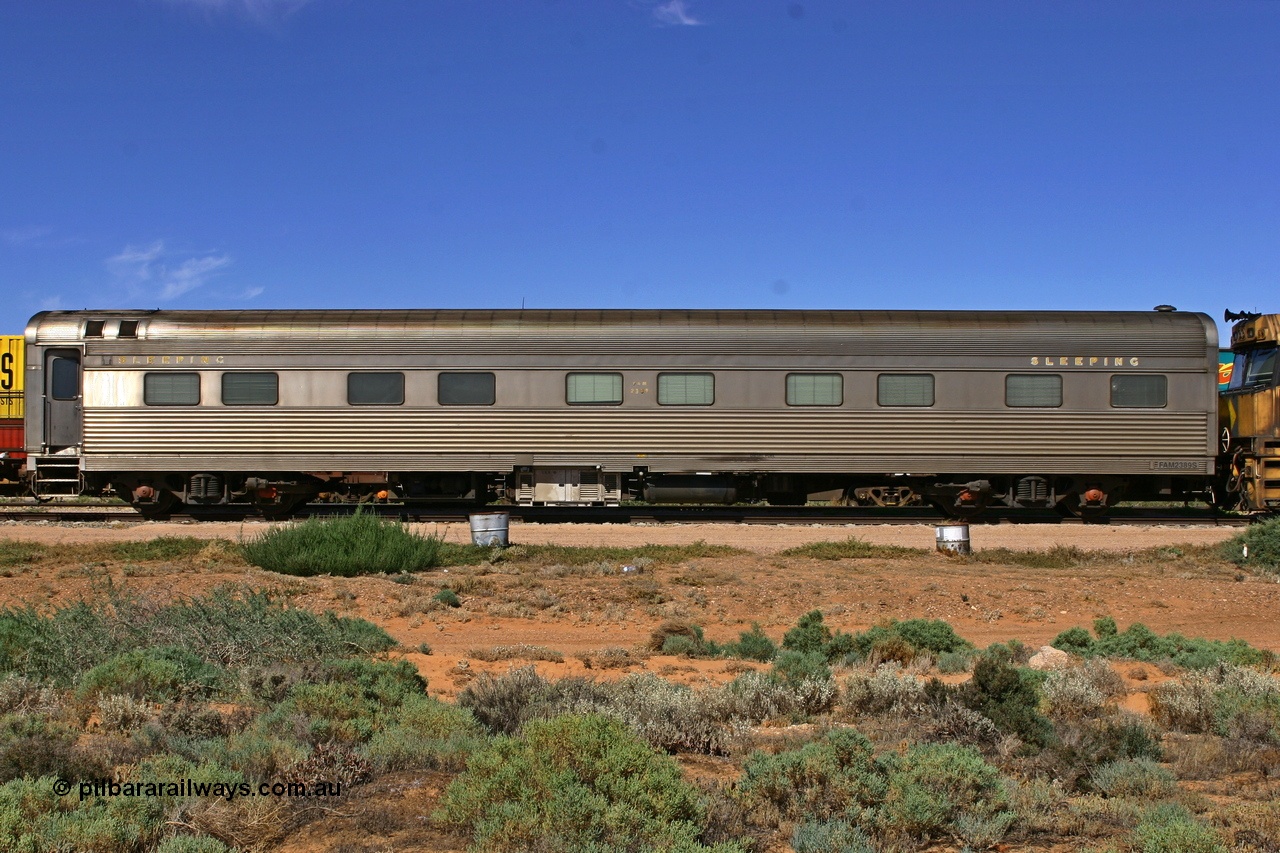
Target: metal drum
(953, 539)
(489, 529)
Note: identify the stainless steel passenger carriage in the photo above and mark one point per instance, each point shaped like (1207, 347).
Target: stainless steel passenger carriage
(961, 409)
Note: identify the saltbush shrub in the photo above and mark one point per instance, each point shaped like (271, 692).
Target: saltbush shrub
(346, 546)
(575, 783)
(830, 836)
(163, 672)
(1141, 777)
(226, 628)
(821, 780)
(1138, 642)
(885, 690)
(1262, 542)
(937, 790)
(1170, 828)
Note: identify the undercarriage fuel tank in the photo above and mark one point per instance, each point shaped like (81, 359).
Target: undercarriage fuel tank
(691, 489)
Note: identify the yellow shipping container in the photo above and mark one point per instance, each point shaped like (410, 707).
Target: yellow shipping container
(12, 348)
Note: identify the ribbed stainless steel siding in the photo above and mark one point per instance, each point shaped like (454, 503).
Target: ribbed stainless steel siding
(285, 438)
(894, 333)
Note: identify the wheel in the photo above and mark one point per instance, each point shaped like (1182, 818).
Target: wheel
(158, 508)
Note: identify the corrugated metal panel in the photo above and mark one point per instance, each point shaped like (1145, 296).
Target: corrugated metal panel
(1142, 334)
(581, 434)
(12, 348)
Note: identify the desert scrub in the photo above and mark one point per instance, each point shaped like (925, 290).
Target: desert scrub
(852, 548)
(345, 546)
(1226, 700)
(604, 558)
(830, 836)
(1138, 642)
(1134, 777)
(932, 792)
(1257, 549)
(1081, 691)
(884, 690)
(345, 702)
(575, 783)
(752, 645)
(1007, 695)
(906, 640)
(422, 733)
(227, 628)
(1170, 828)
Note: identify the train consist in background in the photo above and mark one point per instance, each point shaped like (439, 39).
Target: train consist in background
(962, 410)
(12, 452)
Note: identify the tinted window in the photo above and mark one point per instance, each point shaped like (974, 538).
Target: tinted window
(171, 389)
(128, 329)
(64, 384)
(815, 389)
(1040, 390)
(375, 389)
(1139, 392)
(250, 389)
(1238, 366)
(601, 389)
(686, 389)
(904, 389)
(465, 389)
(1260, 369)
(93, 328)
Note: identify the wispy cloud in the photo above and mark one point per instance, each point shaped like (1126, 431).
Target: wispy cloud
(675, 13)
(28, 234)
(261, 11)
(164, 275)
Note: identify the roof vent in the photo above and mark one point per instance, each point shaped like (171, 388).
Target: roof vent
(1165, 309)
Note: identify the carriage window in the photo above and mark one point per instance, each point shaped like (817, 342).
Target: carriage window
(686, 389)
(1130, 391)
(375, 389)
(250, 389)
(904, 389)
(64, 384)
(1037, 390)
(815, 389)
(600, 389)
(465, 389)
(128, 329)
(93, 328)
(171, 389)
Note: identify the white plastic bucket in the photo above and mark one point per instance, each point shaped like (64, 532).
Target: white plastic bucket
(953, 539)
(489, 529)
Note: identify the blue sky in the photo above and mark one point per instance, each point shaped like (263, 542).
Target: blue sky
(639, 153)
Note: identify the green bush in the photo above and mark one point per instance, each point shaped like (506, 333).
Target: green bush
(160, 672)
(1140, 777)
(33, 818)
(1009, 697)
(752, 645)
(423, 733)
(448, 598)
(830, 836)
(347, 701)
(820, 781)
(575, 783)
(1263, 543)
(1138, 642)
(192, 844)
(359, 544)
(904, 641)
(1170, 828)
(852, 548)
(809, 634)
(809, 677)
(937, 790)
(226, 628)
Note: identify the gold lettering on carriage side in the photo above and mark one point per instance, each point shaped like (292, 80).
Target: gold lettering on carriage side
(1084, 361)
(204, 359)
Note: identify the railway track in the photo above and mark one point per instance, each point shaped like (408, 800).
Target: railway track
(108, 511)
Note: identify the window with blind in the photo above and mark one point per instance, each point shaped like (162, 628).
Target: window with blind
(593, 389)
(686, 389)
(171, 389)
(1130, 391)
(815, 389)
(904, 389)
(1034, 390)
(250, 389)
